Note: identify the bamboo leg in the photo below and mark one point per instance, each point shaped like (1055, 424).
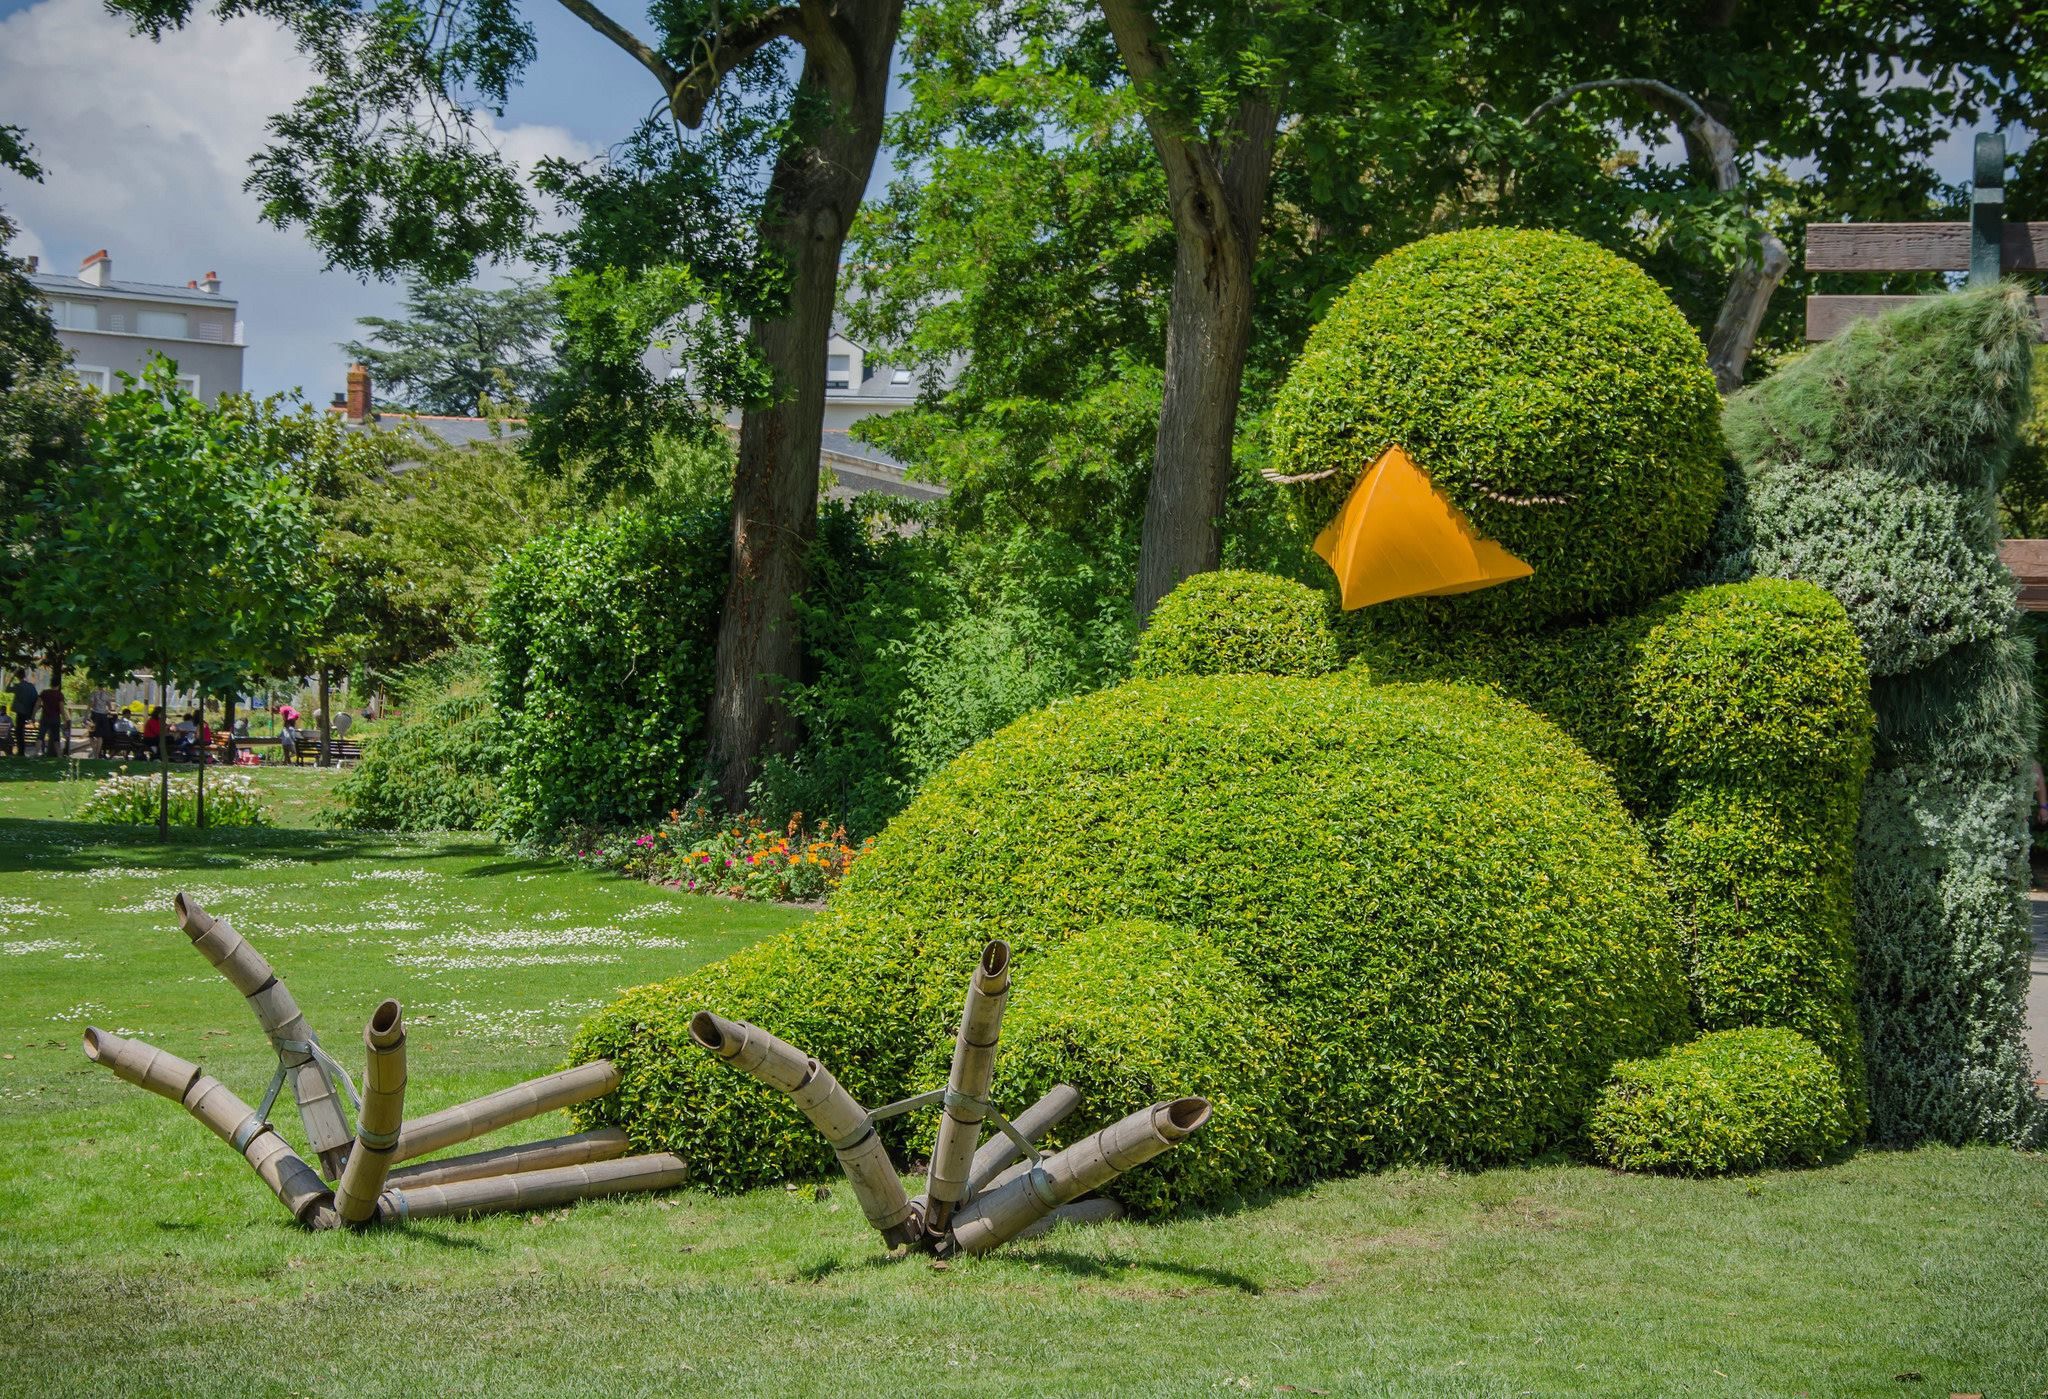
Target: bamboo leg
(830, 1108)
(605, 1144)
(999, 1152)
(1003, 1211)
(974, 1064)
(530, 1190)
(1094, 1210)
(466, 1121)
(369, 1161)
(223, 1114)
(250, 973)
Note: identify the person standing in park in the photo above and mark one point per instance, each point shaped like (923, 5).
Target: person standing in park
(23, 694)
(51, 725)
(102, 711)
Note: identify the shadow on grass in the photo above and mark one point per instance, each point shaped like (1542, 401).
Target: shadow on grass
(1082, 1265)
(45, 845)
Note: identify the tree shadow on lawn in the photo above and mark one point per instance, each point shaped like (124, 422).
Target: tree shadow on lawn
(46, 845)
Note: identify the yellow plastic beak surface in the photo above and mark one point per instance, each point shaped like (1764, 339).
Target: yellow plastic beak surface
(1399, 536)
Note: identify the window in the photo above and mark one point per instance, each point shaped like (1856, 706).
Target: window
(165, 325)
(838, 369)
(94, 377)
(901, 376)
(212, 328)
(75, 315)
(189, 383)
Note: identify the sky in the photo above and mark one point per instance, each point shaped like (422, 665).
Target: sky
(146, 146)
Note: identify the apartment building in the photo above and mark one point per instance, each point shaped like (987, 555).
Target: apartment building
(112, 327)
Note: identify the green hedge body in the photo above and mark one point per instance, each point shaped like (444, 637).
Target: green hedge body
(1548, 387)
(1238, 623)
(1433, 892)
(1735, 1100)
(603, 637)
(435, 765)
(1737, 725)
(1869, 466)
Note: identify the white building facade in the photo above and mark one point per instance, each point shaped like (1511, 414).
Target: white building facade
(113, 327)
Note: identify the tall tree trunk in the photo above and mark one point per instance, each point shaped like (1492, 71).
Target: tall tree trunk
(816, 188)
(227, 719)
(163, 753)
(326, 722)
(199, 783)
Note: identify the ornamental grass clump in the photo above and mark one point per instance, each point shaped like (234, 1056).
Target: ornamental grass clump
(1236, 623)
(1735, 1100)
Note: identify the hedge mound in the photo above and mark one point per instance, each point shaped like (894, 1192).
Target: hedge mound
(1548, 387)
(435, 766)
(1238, 623)
(1736, 1100)
(1435, 893)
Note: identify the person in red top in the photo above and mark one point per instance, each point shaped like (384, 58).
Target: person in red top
(153, 726)
(52, 725)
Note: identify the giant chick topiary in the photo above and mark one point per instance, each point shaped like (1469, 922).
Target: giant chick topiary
(1514, 436)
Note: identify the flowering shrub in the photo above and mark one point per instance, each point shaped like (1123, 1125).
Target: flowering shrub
(746, 859)
(130, 799)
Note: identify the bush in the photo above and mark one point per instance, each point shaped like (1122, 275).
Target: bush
(130, 799)
(1737, 1100)
(1551, 391)
(603, 637)
(1434, 892)
(433, 766)
(1736, 723)
(1236, 623)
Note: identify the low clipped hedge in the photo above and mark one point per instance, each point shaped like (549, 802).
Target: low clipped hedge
(1434, 894)
(1550, 389)
(1235, 622)
(1735, 1100)
(1737, 723)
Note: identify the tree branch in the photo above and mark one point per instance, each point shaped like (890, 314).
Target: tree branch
(692, 92)
(625, 38)
(1192, 176)
(1708, 136)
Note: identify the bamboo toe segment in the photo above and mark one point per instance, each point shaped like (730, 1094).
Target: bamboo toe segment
(1009, 1207)
(829, 1108)
(377, 1125)
(225, 1115)
(250, 973)
(467, 1121)
(533, 1190)
(605, 1144)
(966, 1100)
(999, 1153)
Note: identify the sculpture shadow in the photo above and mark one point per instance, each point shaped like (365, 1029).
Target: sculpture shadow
(1082, 1265)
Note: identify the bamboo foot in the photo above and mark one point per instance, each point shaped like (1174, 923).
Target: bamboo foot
(369, 1161)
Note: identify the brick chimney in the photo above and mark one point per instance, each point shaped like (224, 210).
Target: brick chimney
(34, 262)
(210, 284)
(358, 410)
(97, 270)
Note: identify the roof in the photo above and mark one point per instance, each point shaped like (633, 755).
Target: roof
(58, 284)
(861, 467)
(450, 431)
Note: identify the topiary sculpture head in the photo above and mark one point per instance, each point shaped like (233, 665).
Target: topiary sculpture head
(1552, 399)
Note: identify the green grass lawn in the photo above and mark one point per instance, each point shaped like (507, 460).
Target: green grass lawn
(137, 1255)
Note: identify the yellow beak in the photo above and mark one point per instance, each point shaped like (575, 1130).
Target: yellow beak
(1399, 536)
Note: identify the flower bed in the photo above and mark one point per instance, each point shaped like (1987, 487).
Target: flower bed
(742, 859)
(130, 799)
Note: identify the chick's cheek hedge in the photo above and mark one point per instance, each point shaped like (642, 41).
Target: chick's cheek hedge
(1549, 388)
(1738, 1100)
(1236, 623)
(603, 637)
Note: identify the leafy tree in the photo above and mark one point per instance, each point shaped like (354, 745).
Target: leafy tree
(183, 540)
(457, 346)
(383, 162)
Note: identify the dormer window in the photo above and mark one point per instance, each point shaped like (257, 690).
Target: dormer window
(838, 373)
(901, 376)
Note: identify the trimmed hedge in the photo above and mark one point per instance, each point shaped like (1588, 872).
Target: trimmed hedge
(1434, 892)
(1736, 722)
(435, 765)
(603, 637)
(1548, 387)
(1236, 623)
(1737, 1100)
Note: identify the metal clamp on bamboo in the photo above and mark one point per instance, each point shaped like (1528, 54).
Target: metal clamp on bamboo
(1006, 1209)
(369, 1161)
(830, 1108)
(467, 1121)
(249, 972)
(225, 1115)
(1000, 1152)
(967, 1084)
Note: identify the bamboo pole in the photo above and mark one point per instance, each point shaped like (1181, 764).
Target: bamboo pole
(470, 1120)
(1093, 1210)
(250, 973)
(605, 1144)
(223, 1114)
(1004, 1211)
(531, 1190)
(966, 1100)
(999, 1152)
(830, 1108)
(369, 1161)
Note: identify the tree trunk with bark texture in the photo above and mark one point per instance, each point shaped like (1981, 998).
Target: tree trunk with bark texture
(812, 196)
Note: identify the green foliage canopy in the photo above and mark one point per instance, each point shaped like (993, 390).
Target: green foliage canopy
(456, 347)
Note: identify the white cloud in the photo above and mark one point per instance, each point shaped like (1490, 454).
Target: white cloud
(145, 147)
